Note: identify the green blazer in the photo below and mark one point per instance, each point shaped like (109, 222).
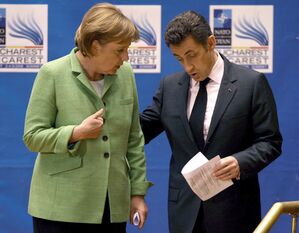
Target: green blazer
(70, 184)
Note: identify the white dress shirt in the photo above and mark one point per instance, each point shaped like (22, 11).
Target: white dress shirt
(212, 93)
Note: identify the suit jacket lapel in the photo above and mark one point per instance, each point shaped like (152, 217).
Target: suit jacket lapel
(83, 83)
(86, 84)
(109, 80)
(226, 93)
(182, 98)
(79, 73)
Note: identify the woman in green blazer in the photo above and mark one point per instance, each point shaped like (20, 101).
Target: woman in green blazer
(82, 119)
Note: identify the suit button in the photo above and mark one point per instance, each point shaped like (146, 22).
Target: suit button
(105, 138)
(106, 155)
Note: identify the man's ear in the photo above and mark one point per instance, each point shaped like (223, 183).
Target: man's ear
(211, 42)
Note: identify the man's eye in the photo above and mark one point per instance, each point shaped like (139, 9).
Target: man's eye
(179, 59)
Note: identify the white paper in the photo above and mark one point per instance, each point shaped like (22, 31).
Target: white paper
(198, 174)
(136, 219)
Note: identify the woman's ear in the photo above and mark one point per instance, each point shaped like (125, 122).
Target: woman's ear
(95, 47)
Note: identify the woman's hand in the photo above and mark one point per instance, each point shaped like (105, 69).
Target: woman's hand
(138, 205)
(89, 128)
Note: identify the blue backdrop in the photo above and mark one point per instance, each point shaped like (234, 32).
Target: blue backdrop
(279, 181)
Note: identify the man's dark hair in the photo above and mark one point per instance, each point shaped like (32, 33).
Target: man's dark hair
(186, 24)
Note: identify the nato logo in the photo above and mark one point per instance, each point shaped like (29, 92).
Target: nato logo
(2, 26)
(26, 28)
(223, 26)
(252, 30)
(146, 31)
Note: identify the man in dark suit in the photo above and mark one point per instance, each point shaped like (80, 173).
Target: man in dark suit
(240, 124)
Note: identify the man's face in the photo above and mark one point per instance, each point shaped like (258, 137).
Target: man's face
(196, 59)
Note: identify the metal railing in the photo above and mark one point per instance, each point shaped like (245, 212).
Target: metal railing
(291, 207)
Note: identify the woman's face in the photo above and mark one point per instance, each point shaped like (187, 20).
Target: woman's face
(108, 58)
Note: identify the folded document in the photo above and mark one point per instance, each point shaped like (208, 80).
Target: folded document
(198, 174)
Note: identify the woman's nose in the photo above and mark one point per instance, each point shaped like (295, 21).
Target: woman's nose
(125, 55)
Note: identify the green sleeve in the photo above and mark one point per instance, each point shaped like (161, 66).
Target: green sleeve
(135, 154)
(40, 134)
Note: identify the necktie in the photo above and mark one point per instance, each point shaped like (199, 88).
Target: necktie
(198, 114)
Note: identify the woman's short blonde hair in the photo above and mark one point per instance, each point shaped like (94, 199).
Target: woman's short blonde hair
(105, 23)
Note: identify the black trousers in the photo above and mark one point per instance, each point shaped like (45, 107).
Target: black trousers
(199, 226)
(48, 226)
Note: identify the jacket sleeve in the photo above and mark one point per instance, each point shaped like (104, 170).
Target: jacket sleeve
(150, 118)
(40, 134)
(267, 140)
(135, 153)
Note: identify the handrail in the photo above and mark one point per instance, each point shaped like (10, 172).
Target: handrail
(291, 207)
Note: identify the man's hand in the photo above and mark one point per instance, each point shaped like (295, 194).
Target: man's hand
(227, 168)
(89, 128)
(138, 205)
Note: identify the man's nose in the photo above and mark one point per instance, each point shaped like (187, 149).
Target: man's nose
(188, 67)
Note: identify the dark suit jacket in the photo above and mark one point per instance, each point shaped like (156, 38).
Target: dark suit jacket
(244, 124)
